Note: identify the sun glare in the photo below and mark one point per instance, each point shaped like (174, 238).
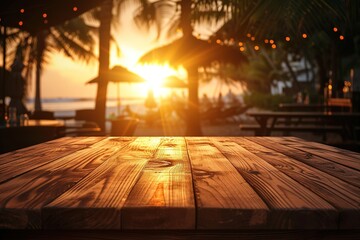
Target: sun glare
(155, 75)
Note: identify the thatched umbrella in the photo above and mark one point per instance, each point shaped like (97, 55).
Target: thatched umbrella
(119, 74)
(193, 53)
(190, 51)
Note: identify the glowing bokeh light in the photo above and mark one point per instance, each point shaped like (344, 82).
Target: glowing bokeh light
(154, 75)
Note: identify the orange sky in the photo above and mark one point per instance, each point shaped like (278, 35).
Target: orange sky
(63, 77)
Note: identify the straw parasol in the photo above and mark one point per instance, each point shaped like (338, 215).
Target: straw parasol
(119, 74)
(190, 51)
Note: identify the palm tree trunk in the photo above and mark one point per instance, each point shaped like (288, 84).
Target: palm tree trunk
(193, 116)
(40, 48)
(104, 61)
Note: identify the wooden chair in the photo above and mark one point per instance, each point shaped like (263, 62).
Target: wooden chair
(87, 115)
(124, 127)
(88, 126)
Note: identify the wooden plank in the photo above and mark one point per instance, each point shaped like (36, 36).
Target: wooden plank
(163, 197)
(32, 150)
(25, 160)
(23, 197)
(342, 172)
(345, 197)
(292, 206)
(341, 156)
(224, 199)
(96, 201)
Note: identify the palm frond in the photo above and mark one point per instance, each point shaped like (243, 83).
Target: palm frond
(70, 47)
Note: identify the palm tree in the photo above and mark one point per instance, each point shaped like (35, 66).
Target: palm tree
(104, 60)
(73, 38)
(106, 18)
(256, 21)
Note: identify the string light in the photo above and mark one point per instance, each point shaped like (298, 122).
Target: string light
(45, 21)
(266, 40)
(304, 35)
(21, 23)
(44, 15)
(342, 37)
(242, 49)
(75, 8)
(273, 46)
(256, 47)
(22, 10)
(287, 39)
(248, 35)
(335, 29)
(252, 38)
(240, 44)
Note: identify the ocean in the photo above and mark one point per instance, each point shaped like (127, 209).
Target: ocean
(68, 106)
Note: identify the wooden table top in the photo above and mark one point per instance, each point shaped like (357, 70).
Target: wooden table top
(193, 183)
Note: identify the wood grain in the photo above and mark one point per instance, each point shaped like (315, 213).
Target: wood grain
(322, 151)
(342, 172)
(223, 198)
(180, 188)
(292, 205)
(25, 160)
(38, 148)
(96, 201)
(163, 197)
(342, 195)
(24, 197)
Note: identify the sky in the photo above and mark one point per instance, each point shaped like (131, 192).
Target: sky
(63, 77)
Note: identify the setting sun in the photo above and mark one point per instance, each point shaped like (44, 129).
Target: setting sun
(154, 74)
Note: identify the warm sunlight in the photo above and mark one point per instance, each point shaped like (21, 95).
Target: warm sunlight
(154, 74)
